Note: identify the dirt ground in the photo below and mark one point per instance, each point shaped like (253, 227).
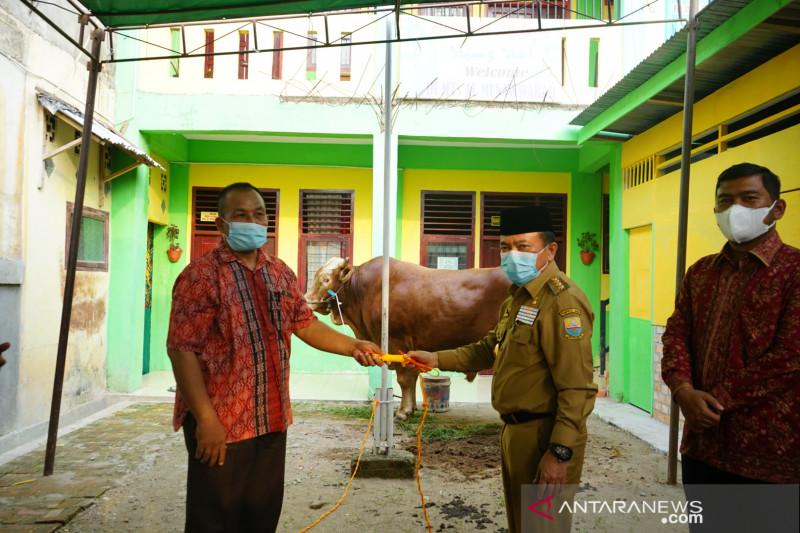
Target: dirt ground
(460, 480)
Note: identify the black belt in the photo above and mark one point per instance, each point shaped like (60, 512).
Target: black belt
(523, 416)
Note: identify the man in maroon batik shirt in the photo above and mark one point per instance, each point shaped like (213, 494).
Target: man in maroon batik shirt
(234, 310)
(732, 346)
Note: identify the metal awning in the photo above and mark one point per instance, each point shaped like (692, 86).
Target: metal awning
(101, 132)
(116, 13)
(734, 37)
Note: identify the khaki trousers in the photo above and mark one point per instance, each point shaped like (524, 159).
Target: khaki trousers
(521, 449)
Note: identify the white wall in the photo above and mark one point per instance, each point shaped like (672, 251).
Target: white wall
(33, 206)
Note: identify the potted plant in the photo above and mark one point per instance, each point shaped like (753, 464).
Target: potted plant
(588, 245)
(174, 251)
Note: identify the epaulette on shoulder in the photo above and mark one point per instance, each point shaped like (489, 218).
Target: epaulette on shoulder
(557, 284)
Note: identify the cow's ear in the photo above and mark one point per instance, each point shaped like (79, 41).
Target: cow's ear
(346, 273)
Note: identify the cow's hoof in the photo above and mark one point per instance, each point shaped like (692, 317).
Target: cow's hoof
(402, 416)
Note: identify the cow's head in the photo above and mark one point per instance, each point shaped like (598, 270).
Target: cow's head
(333, 274)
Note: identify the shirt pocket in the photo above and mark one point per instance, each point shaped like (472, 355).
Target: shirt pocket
(524, 346)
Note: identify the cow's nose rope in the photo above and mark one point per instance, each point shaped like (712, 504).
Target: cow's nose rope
(335, 297)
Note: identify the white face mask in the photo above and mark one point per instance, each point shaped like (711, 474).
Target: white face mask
(743, 224)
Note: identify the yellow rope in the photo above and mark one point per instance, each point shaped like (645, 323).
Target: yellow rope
(419, 452)
(361, 451)
(355, 470)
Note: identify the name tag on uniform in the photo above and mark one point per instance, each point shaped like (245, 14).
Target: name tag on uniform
(527, 315)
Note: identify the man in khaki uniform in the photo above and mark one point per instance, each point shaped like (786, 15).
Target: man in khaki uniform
(542, 359)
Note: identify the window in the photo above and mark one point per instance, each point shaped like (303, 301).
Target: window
(204, 212)
(443, 11)
(244, 45)
(447, 230)
(311, 57)
(326, 230)
(208, 69)
(93, 243)
(344, 75)
(594, 47)
(494, 202)
(553, 9)
(277, 54)
(175, 46)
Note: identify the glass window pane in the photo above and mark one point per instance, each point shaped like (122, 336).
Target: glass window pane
(447, 249)
(90, 247)
(318, 253)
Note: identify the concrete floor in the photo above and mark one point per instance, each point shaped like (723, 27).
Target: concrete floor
(354, 388)
(332, 387)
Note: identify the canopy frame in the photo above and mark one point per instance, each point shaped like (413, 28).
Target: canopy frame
(96, 64)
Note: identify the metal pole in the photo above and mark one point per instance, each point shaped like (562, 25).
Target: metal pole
(383, 434)
(72, 257)
(683, 213)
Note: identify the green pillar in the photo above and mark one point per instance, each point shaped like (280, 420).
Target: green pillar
(586, 192)
(126, 296)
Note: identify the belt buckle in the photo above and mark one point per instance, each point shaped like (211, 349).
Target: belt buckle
(513, 417)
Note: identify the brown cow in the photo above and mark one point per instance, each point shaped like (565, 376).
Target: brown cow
(429, 309)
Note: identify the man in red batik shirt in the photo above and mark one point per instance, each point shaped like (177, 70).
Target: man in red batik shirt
(234, 310)
(732, 346)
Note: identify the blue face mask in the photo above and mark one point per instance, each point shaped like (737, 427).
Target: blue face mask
(246, 236)
(519, 267)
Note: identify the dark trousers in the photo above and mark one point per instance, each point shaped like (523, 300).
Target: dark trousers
(243, 495)
(721, 506)
(697, 472)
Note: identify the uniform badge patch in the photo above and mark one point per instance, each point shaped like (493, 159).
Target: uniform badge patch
(526, 315)
(573, 327)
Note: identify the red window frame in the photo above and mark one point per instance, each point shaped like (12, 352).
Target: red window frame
(333, 225)
(244, 59)
(208, 64)
(204, 233)
(447, 217)
(493, 202)
(277, 55)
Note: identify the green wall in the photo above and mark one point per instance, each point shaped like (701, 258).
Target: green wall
(164, 270)
(586, 215)
(524, 159)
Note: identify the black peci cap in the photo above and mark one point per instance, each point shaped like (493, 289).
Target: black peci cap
(525, 220)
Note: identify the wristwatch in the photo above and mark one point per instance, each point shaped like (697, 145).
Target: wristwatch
(562, 453)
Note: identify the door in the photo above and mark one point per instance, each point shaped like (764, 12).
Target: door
(639, 367)
(148, 293)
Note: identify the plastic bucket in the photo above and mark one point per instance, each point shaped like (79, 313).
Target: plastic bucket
(437, 392)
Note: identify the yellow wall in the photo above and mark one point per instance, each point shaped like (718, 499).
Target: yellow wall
(290, 180)
(415, 181)
(640, 273)
(771, 80)
(655, 203)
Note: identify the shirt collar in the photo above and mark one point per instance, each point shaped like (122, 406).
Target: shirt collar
(764, 252)
(227, 255)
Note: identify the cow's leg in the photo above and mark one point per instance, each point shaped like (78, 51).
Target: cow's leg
(407, 379)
